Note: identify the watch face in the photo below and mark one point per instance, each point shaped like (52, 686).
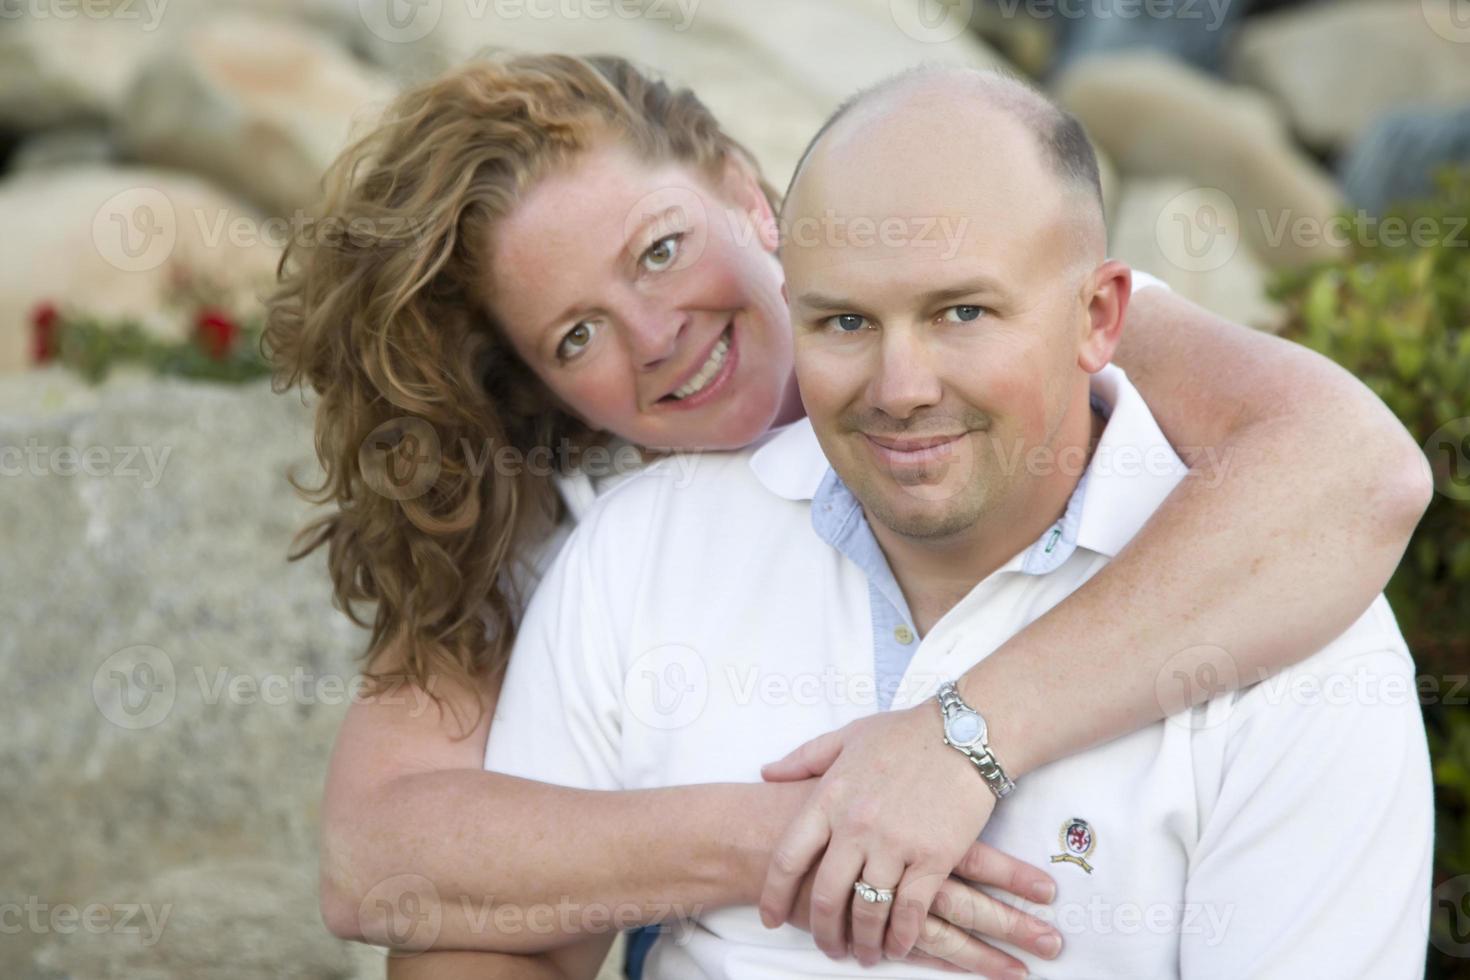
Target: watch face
(965, 728)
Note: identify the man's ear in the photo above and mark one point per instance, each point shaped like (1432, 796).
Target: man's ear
(1112, 285)
(743, 187)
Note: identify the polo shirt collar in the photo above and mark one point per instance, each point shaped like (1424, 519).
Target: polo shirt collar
(1133, 469)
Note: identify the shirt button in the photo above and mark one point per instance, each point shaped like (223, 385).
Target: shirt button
(903, 634)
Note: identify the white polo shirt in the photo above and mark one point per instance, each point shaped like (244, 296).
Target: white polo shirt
(695, 626)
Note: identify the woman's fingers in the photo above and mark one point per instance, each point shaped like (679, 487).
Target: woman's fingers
(942, 941)
(811, 758)
(793, 857)
(870, 919)
(974, 911)
(985, 865)
(832, 897)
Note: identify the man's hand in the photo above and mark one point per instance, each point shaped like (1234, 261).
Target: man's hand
(895, 807)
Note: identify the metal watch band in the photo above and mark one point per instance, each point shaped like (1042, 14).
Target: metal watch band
(950, 703)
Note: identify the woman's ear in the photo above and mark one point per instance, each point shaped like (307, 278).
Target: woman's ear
(743, 187)
(1112, 286)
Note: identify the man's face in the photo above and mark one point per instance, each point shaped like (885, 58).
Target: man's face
(930, 368)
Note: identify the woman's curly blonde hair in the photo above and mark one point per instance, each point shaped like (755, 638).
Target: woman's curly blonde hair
(381, 310)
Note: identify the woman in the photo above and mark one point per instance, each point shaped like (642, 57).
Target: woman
(526, 242)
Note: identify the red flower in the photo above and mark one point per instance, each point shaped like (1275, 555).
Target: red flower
(217, 332)
(44, 340)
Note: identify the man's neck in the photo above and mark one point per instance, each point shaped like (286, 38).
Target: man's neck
(935, 574)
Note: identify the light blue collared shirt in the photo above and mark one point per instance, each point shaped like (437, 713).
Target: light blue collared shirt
(838, 519)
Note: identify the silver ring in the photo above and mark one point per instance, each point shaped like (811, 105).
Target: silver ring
(868, 893)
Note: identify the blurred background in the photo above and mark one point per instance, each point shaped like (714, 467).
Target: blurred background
(175, 684)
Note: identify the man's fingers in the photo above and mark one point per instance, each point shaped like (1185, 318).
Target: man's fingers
(955, 946)
(974, 911)
(911, 901)
(985, 865)
(810, 758)
(793, 856)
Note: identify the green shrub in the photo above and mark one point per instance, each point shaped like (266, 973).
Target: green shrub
(1395, 311)
(1398, 317)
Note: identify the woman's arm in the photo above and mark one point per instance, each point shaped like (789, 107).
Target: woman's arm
(1302, 494)
(424, 850)
(411, 820)
(579, 962)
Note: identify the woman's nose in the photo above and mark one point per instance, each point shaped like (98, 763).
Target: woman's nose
(653, 335)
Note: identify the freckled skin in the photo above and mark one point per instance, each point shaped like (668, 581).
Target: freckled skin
(567, 244)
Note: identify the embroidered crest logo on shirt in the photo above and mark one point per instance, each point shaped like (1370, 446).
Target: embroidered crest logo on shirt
(1078, 841)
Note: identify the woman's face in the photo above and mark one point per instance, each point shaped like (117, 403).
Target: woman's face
(648, 300)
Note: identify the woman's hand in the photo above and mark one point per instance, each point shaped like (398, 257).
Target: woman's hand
(951, 935)
(896, 808)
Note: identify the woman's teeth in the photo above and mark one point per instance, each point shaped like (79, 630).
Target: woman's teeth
(707, 373)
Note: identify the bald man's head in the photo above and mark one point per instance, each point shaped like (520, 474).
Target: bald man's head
(950, 293)
(1060, 137)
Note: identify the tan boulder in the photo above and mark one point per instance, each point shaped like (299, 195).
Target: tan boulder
(1336, 67)
(758, 64)
(260, 107)
(106, 241)
(1190, 238)
(1156, 117)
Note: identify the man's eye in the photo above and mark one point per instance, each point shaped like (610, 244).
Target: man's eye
(662, 253)
(847, 322)
(576, 340)
(964, 314)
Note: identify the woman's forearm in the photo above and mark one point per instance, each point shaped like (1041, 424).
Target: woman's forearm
(1302, 495)
(517, 866)
(415, 831)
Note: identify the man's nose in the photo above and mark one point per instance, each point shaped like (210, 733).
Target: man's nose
(904, 378)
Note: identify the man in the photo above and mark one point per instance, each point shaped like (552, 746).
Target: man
(969, 459)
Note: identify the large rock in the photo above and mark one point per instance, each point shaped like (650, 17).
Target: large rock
(1399, 156)
(106, 242)
(1192, 240)
(752, 61)
(259, 106)
(67, 64)
(56, 71)
(143, 576)
(244, 919)
(1191, 30)
(1158, 118)
(1338, 66)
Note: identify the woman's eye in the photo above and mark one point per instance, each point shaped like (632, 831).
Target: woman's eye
(662, 253)
(964, 314)
(847, 322)
(576, 340)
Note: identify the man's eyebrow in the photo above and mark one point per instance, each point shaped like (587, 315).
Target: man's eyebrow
(822, 301)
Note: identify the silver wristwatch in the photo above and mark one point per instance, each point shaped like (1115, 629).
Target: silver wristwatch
(965, 730)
